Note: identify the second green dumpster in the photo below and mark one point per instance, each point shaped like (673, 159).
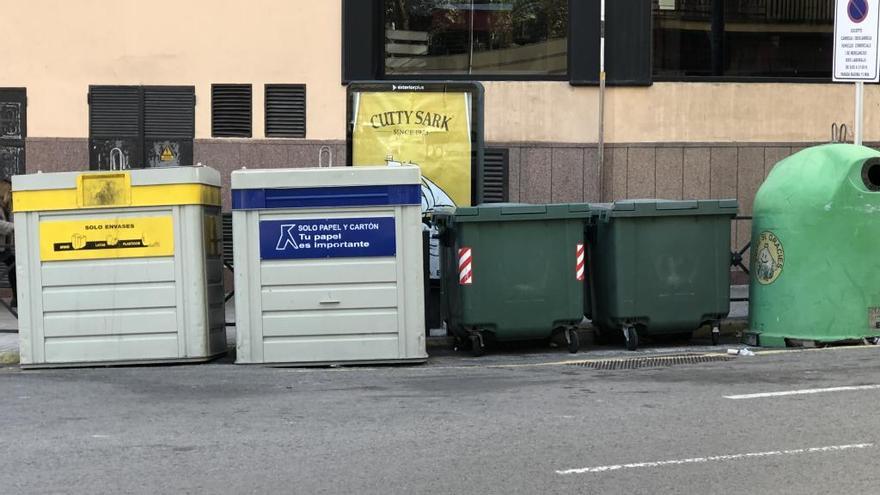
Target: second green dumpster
(659, 267)
(512, 272)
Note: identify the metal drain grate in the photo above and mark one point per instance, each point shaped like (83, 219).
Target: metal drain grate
(652, 361)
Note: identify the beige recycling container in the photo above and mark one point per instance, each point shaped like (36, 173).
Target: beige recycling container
(328, 265)
(119, 267)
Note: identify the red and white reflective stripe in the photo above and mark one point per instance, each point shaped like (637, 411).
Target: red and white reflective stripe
(579, 266)
(465, 275)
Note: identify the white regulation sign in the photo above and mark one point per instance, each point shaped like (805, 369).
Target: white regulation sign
(856, 24)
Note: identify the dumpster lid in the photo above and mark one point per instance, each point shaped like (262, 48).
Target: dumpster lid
(158, 176)
(501, 212)
(289, 178)
(665, 207)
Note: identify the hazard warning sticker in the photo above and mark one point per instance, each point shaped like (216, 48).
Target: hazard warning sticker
(167, 155)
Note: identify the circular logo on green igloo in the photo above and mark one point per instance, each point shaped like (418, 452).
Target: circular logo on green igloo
(769, 258)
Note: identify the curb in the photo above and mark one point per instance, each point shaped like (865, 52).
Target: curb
(729, 328)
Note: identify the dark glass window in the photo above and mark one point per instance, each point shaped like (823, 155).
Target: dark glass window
(477, 37)
(743, 38)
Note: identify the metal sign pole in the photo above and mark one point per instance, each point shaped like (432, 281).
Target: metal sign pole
(860, 111)
(856, 55)
(601, 161)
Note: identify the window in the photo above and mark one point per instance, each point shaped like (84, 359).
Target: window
(743, 38)
(141, 126)
(476, 37)
(13, 131)
(231, 110)
(286, 110)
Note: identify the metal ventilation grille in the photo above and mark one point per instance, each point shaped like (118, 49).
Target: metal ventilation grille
(495, 169)
(114, 111)
(231, 110)
(169, 112)
(286, 110)
(227, 237)
(652, 361)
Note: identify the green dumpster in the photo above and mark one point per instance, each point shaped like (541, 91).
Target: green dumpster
(512, 272)
(814, 251)
(659, 267)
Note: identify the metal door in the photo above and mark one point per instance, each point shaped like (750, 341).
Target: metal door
(115, 127)
(13, 131)
(169, 125)
(141, 126)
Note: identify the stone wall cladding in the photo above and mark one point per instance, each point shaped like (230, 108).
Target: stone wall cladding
(539, 172)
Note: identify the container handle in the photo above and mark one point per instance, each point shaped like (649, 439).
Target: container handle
(524, 210)
(676, 205)
(325, 150)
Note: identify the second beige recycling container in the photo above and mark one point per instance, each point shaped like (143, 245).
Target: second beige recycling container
(328, 265)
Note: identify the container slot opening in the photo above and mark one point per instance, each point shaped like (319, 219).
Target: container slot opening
(871, 174)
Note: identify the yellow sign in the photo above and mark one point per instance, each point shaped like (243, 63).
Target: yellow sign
(769, 258)
(101, 238)
(167, 155)
(428, 129)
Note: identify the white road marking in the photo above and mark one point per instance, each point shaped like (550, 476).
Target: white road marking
(729, 457)
(805, 391)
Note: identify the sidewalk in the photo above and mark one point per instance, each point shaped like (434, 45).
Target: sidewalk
(8, 348)
(8, 338)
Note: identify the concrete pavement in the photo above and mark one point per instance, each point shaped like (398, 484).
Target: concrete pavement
(512, 423)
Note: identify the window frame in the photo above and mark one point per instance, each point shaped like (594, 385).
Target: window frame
(731, 79)
(583, 56)
(741, 79)
(380, 29)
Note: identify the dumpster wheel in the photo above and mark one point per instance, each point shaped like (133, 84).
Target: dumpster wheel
(571, 337)
(631, 336)
(478, 346)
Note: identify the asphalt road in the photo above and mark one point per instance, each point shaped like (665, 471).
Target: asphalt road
(509, 423)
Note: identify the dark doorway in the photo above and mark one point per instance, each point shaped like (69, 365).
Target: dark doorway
(13, 131)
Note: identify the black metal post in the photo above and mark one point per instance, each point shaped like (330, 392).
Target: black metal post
(717, 37)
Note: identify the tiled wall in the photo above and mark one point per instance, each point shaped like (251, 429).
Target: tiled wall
(538, 172)
(225, 155)
(665, 171)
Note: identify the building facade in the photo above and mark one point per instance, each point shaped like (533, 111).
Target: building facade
(703, 96)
